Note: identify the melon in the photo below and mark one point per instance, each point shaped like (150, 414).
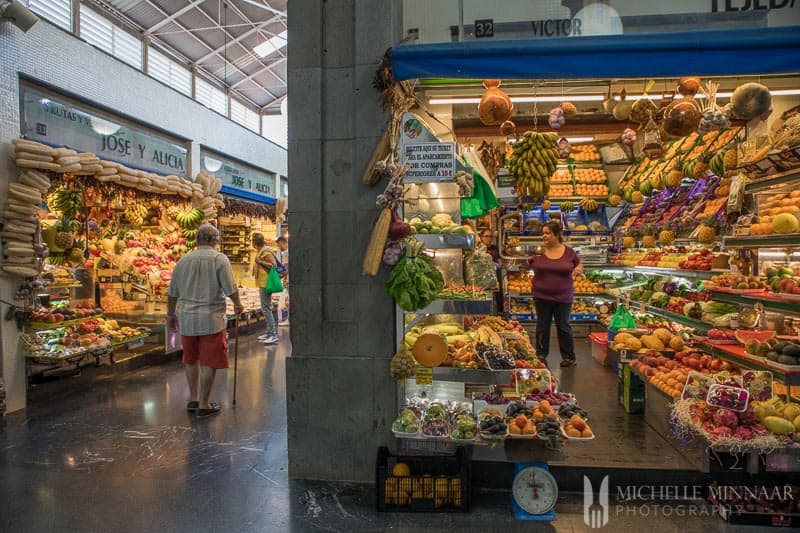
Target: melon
(785, 223)
(762, 335)
(430, 349)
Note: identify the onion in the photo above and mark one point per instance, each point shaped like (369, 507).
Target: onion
(398, 229)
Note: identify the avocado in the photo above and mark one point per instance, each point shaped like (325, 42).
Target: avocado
(773, 356)
(792, 350)
(762, 349)
(780, 345)
(787, 360)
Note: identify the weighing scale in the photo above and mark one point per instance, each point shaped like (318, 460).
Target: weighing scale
(534, 492)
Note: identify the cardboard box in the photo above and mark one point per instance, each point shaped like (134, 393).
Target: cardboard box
(631, 390)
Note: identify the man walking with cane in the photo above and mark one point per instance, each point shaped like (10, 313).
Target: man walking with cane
(200, 282)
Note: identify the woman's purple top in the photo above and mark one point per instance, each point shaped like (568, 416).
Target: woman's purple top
(553, 279)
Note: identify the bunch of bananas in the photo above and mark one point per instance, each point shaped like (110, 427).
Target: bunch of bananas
(717, 163)
(135, 213)
(566, 206)
(189, 219)
(588, 205)
(68, 202)
(532, 161)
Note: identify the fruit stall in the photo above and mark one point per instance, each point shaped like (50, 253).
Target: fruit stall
(676, 222)
(93, 244)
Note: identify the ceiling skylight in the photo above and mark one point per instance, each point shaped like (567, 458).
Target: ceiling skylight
(271, 46)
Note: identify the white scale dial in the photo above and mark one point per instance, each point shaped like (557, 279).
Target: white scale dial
(535, 490)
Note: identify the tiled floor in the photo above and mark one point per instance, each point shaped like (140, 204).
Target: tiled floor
(123, 455)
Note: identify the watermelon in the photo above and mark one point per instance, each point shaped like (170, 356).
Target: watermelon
(762, 335)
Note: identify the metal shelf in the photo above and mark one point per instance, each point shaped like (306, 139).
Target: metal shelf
(767, 241)
(782, 373)
(472, 375)
(769, 304)
(696, 274)
(781, 178)
(446, 240)
(457, 307)
(681, 319)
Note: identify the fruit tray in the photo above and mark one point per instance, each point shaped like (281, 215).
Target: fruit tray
(564, 433)
(722, 341)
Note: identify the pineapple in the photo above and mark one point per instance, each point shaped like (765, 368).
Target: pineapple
(649, 238)
(64, 237)
(730, 161)
(628, 242)
(701, 168)
(666, 237)
(707, 231)
(637, 197)
(674, 178)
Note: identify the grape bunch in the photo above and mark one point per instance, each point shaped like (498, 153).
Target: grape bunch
(496, 358)
(491, 398)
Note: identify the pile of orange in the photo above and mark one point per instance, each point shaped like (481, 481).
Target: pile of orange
(587, 152)
(577, 428)
(561, 190)
(561, 176)
(591, 190)
(590, 175)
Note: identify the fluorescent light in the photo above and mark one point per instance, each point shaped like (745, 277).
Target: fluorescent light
(588, 139)
(777, 254)
(272, 45)
(521, 99)
(589, 97)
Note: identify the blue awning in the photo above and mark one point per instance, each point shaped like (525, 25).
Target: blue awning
(707, 53)
(247, 195)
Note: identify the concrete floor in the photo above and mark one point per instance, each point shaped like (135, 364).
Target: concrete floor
(120, 453)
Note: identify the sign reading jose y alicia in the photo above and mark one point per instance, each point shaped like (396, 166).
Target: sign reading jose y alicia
(50, 121)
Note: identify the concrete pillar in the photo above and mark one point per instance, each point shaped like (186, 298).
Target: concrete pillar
(11, 354)
(341, 399)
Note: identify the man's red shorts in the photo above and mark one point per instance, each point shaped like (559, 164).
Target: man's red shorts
(209, 350)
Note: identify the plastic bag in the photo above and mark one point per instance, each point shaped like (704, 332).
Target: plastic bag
(622, 319)
(274, 281)
(479, 270)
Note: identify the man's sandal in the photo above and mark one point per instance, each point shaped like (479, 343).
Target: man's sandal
(214, 409)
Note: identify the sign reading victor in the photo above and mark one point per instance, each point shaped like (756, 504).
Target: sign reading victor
(430, 161)
(61, 124)
(236, 175)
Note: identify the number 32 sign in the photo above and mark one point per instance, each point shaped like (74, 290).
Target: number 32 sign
(484, 28)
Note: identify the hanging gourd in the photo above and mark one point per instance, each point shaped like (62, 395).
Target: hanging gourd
(683, 116)
(751, 100)
(495, 106)
(622, 111)
(644, 109)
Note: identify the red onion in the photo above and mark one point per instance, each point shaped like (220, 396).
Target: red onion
(398, 229)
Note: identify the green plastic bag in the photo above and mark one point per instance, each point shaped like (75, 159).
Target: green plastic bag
(274, 281)
(482, 200)
(622, 319)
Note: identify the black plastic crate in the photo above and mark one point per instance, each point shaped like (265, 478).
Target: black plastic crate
(438, 483)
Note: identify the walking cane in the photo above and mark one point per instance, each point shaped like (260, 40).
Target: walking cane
(235, 356)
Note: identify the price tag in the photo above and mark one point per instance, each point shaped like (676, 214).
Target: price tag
(642, 308)
(424, 375)
(623, 356)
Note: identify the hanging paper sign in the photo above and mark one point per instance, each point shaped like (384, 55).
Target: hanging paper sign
(430, 162)
(58, 123)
